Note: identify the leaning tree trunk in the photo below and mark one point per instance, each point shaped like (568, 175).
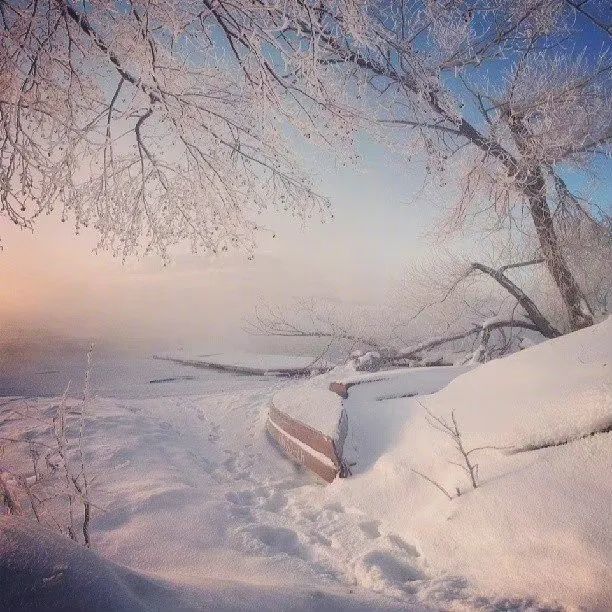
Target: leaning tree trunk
(576, 306)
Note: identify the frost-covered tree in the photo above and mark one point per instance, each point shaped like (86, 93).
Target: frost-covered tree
(159, 121)
(155, 122)
(504, 97)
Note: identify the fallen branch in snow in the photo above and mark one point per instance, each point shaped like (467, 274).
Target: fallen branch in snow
(604, 428)
(276, 325)
(434, 483)
(483, 329)
(314, 319)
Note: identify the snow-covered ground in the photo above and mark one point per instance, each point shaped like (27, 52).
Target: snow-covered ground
(42, 571)
(195, 494)
(539, 525)
(196, 497)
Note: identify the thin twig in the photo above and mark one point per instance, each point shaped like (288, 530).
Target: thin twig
(434, 483)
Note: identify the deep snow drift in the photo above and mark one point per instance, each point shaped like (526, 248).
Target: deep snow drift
(539, 524)
(196, 497)
(41, 570)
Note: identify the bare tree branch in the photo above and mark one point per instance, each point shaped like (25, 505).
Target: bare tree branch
(520, 264)
(539, 320)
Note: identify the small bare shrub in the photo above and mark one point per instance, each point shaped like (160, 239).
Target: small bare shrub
(56, 490)
(466, 464)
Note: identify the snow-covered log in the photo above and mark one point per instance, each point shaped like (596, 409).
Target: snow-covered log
(253, 365)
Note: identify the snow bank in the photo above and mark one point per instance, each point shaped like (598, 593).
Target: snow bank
(538, 525)
(378, 409)
(540, 530)
(557, 390)
(402, 382)
(43, 571)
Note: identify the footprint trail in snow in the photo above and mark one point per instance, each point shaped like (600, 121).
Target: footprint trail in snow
(197, 480)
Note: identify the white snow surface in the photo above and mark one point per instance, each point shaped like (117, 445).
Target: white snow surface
(404, 381)
(196, 496)
(554, 391)
(205, 511)
(539, 525)
(313, 405)
(378, 407)
(43, 571)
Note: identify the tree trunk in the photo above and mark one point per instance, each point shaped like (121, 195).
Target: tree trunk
(578, 311)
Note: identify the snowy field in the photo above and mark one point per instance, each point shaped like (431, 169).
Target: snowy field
(194, 493)
(199, 503)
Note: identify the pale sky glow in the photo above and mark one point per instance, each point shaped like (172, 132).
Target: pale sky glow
(52, 280)
(305, 304)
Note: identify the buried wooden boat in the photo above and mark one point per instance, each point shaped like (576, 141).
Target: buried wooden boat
(310, 421)
(309, 424)
(317, 452)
